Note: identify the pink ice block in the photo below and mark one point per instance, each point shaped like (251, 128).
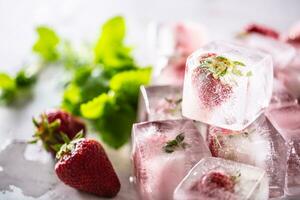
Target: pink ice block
(259, 145)
(160, 103)
(281, 96)
(227, 85)
(163, 153)
(232, 181)
(175, 41)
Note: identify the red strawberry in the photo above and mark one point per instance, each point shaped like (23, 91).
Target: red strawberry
(263, 30)
(84, 165)
(215, 180)
(213, 145)
(211, 91)
(53, 126)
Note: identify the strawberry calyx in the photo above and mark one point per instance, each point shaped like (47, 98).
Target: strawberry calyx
(69, 145)
(47, 132)
(220, 66)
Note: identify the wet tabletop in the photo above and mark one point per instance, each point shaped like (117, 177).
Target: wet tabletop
(26, 171)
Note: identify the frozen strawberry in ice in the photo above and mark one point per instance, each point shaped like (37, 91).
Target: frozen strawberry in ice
(160, 103)
(219, 179)
(260, 145)
(227, 85)
(215, 180)
(163, 153)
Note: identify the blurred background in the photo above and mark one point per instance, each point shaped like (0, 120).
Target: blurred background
(81, 20)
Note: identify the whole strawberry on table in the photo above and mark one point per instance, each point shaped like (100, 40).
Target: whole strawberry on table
(81, 163)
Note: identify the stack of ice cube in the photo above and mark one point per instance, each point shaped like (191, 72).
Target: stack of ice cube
(230, 101)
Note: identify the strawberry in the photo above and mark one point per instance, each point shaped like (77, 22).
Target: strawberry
(213, 145)
(211, 91)
(215, 180)
(54, 126)
(84, 165)
(263, 30)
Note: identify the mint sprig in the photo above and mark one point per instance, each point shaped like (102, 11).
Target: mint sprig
(177, 143)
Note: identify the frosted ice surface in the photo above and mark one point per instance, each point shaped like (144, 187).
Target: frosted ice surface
(227, 85)
(163, 153)
(233, 181)
(260, 145)
(160, 103)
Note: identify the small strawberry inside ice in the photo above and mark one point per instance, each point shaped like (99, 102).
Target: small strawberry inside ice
(212, 91)
(215, 180)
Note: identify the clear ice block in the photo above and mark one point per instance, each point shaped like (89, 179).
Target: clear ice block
(281, 96)
(170, 70)
(293, 167)
(173, 42)
(282, 53)
(227, 85)
(287, 121)
(219, 179)
(160, 103)
(259, 145)
(163, 153)
(290, 77)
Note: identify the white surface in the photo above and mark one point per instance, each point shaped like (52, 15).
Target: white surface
(80, 20)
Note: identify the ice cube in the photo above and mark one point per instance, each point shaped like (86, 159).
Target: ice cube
(282, 53)
(293, 167)
(281, 96)
(286, 120)
(291, 80)
(219, 179)
(173, 43)
(160, 103)
(227, 85)
(169, 70)
(260, 145)
(163, 153)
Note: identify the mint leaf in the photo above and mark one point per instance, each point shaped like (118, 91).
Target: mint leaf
(87, 83)
(15, 89)
(110, 49)
(46, 44)
(126, 85)
(6, 82)
(115, 124)
(95, 108)
(24, 80)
